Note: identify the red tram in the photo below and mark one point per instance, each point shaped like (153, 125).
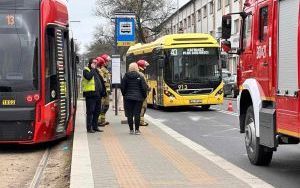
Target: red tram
(38, 89)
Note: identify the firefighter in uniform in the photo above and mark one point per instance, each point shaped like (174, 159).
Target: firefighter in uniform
(142, 64)
(107, 80)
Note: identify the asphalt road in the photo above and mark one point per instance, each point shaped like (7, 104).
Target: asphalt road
(218, 131)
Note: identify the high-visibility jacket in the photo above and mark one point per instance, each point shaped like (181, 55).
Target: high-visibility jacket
(88, 85)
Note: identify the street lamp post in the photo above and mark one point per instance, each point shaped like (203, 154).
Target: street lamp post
(178, 16)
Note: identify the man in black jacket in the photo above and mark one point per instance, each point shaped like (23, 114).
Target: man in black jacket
(93, 91)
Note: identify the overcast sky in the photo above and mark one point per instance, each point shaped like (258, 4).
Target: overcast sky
(83, 11)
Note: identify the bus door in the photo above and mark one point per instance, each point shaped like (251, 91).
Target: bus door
(160, 81)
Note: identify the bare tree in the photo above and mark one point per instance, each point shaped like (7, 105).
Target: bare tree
(149, 13)
(103, 43)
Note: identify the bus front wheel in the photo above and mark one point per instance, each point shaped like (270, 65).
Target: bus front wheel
(257, 154)
(205, 107)
(154, 101)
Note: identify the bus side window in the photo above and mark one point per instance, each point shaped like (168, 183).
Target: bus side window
(51, 74)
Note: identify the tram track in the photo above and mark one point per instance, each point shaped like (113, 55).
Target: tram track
(40, 169)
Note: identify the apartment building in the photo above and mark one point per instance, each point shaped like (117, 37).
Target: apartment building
(205, 16)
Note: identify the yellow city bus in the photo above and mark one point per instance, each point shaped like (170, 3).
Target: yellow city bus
(185, 70)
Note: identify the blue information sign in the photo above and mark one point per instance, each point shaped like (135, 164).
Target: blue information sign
(125, 31)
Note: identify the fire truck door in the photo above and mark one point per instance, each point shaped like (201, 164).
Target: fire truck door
(263, 46)
(246, 59)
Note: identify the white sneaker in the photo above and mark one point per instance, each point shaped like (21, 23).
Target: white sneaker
(131, 132)
(137, 132)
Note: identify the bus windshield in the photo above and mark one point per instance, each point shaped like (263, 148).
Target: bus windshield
(19, 31)
(192, 65)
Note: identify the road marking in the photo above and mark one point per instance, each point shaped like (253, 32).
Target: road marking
(232, 169)
(40, 169)
(198, 118)
(222, 131)
(225, 112)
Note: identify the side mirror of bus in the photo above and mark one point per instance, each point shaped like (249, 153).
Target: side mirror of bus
(226, 46)
(226, 26)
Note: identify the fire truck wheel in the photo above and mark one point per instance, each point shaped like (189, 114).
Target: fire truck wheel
(257, 154)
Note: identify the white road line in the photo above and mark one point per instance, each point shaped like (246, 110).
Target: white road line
(39, 171)
(225, 112)
(222, 131)
(232, 169)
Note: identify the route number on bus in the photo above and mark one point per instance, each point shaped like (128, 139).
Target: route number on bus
(174, 52)
(182, 87)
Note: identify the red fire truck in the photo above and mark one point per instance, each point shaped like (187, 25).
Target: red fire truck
(268, 75)
(37, 71)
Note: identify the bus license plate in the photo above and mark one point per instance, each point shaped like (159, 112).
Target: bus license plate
(195, 101)
(8, 102)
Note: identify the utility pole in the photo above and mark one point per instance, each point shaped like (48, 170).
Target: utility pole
(194, 17)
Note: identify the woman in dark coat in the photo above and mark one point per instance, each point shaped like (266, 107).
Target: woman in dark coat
(134, 91)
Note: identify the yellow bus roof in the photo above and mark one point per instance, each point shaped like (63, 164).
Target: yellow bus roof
(186, 40)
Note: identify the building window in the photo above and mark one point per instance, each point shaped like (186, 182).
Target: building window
(219, 5)
(204, 11)
(193, 19)
(184, 23)
(199, 15)
(227, 2)
(211, 7)
(181, 24)
(236, 26)
(189, 21)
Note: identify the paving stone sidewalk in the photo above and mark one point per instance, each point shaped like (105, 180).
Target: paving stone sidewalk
(116, 159)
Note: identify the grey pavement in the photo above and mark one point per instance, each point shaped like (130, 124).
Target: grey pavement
(115, 158)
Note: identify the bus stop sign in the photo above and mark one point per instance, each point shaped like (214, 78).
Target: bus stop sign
(125, 30)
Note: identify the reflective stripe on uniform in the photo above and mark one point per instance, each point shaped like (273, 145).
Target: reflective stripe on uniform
(106, 77)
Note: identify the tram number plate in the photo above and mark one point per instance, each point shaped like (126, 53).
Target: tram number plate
(195, 101)
(8, 102)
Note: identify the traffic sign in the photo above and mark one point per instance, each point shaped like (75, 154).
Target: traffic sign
(125, 29)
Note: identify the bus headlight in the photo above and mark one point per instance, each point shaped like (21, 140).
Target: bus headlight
(170, 95)
(220, 92)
